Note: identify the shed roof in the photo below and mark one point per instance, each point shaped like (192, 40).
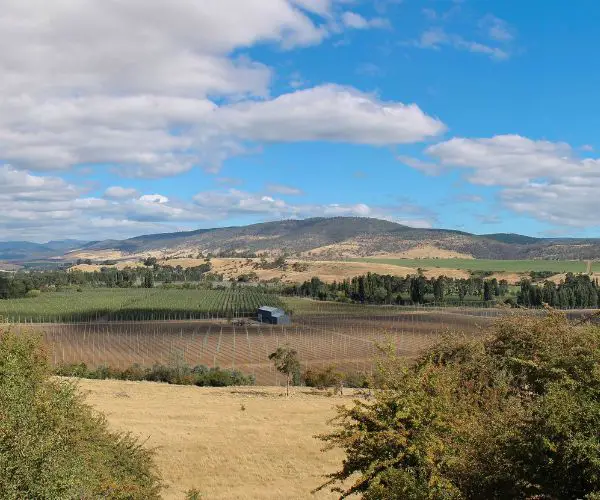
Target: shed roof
(271, 309)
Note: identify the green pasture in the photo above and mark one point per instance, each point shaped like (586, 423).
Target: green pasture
(510, 266)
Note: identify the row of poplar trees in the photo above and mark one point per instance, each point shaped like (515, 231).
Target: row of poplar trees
(387, 289)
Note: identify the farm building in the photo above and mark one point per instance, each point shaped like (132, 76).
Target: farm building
(273, 316)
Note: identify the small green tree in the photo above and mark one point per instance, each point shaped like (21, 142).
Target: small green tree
(286, 362)
(150, 261)
(487, 291)
(439, 289)
(280, 262)
(149, 279)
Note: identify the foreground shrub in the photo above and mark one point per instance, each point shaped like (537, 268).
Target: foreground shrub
(178, 374)
(52, 445)
(331, 377)
(512, 416)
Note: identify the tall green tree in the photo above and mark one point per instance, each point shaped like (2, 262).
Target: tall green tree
(149, 279)
(439, 286)
(417, 289)
(488, 291)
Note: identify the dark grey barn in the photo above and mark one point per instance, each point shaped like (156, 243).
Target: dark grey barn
(273, 316)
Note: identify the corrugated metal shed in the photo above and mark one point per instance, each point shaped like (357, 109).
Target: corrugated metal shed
(273, 316)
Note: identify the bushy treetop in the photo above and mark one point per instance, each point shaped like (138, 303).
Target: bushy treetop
(512, 415)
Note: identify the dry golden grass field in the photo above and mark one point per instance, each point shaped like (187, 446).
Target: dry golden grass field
(205, 440)
(231, 268)
(326, 270)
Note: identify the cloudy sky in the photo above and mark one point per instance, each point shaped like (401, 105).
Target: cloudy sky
(124, 117)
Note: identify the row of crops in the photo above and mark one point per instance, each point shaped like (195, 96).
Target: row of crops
(136, 305)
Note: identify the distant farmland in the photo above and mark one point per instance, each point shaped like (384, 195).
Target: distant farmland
(135, 304)
(510, 266)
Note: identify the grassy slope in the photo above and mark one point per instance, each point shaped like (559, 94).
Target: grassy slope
(516, 266)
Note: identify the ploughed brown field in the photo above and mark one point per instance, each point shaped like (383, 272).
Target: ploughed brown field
(348, 341)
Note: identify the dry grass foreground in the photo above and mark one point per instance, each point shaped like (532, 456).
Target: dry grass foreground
(205, 440)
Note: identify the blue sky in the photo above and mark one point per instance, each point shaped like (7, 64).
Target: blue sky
(124, 118)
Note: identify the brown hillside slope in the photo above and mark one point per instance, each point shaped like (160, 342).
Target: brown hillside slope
(327, 271)
(332, 238)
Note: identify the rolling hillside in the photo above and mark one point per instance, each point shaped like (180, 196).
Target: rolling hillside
(317, 239)
(346, 237)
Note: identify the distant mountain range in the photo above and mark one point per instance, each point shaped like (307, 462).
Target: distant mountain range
(24, 251)
(322, 238)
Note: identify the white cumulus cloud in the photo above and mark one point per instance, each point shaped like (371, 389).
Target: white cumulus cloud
(539, 178)
(147, 85)
(40, 208)
(329, 113)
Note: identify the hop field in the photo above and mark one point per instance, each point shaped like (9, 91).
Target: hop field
(135, 305)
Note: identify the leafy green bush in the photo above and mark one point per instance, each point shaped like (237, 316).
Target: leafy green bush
(134, 372)
(540, 275)
(73, 370)
(321, 379)
(52, 445)
(177, 374)
(513, 416)
(331, 377)
(356, 380)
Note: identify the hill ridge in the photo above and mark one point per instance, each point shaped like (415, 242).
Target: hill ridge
(342, 237)
(324, 238)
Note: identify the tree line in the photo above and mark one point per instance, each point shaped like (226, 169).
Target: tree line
(576, 291)
(373, 288)
(20, 284)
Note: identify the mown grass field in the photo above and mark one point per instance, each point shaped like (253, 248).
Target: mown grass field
(134, 304)
(204, 439)
(510, 266)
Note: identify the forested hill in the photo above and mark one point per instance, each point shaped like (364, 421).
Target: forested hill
(319, 238)
(347, 237)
